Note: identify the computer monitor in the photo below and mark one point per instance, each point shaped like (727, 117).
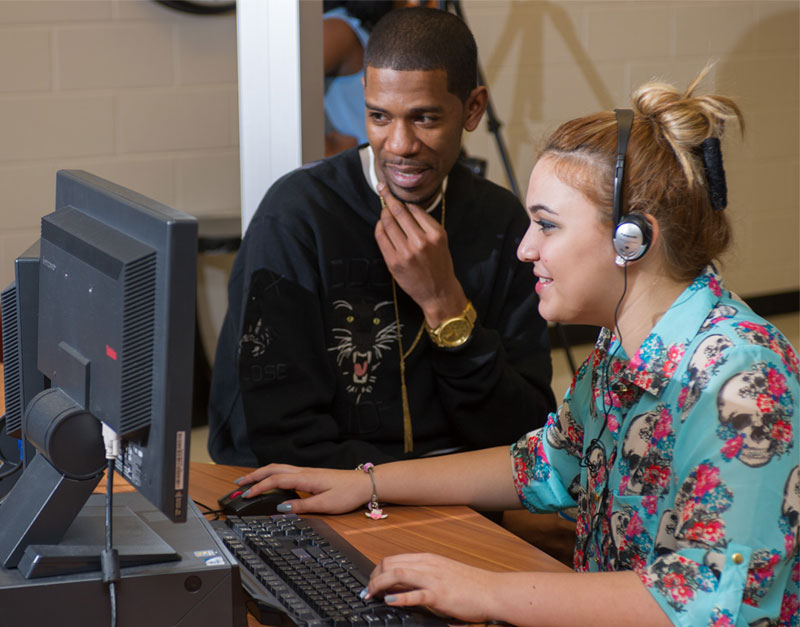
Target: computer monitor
(98, 327)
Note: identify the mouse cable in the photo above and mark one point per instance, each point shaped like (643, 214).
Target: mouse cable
(208, 511)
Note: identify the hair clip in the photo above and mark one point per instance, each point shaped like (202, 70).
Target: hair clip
(715, 173)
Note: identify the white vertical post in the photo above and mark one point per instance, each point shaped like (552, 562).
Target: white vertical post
(281, 120)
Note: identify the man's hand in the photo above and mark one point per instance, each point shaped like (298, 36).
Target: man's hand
(414, 246)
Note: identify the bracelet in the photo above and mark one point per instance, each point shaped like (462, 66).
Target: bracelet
(374, 510)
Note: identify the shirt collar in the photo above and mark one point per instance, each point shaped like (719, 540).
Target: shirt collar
(654, 364)
(368, 167)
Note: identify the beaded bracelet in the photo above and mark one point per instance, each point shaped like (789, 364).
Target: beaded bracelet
(374, 510)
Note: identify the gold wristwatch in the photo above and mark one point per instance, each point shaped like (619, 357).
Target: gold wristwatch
(454, 331)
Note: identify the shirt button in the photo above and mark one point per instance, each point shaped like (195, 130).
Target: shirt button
(737, 558)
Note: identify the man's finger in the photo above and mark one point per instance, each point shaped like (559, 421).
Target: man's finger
(405, 212)
(385, 241)
(407, 216)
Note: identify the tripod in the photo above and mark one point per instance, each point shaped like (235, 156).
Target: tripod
(494, 127)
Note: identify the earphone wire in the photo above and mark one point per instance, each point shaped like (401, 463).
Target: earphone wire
(596, 443)
(624, 119)
(606, 376)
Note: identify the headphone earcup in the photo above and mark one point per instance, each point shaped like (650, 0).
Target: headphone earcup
(631, 238)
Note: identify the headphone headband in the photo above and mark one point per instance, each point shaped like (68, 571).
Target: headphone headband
(632, 233)
(624, 127)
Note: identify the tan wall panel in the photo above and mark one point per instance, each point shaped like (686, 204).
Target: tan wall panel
(25, 60)
(173, 120)
(778, 25)
(28, 194)
(711, 28)
(204, 53)
(209, 183)
(621, 32)
(102, 56)
(53, 11)
(39, 127)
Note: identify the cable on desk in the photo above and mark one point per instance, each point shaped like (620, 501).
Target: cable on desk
(208, 511)
(109, 557)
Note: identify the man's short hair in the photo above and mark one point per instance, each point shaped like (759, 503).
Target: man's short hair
(420, 38)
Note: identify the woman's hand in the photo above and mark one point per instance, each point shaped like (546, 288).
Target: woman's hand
(332, 491)
(440, 584)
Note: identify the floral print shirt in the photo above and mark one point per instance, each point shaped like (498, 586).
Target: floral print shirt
(683, 462)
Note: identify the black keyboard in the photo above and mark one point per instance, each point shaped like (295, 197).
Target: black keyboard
(302, 570)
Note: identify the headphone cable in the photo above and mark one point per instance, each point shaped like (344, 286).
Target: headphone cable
(596, 443)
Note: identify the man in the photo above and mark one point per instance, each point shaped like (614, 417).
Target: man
(324, 358)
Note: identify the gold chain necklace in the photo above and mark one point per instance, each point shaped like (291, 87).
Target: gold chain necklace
(408, 436)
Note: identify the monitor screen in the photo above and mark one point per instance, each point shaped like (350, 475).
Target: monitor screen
(101, 325)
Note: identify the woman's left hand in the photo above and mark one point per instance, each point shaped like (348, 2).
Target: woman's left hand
(442, 585)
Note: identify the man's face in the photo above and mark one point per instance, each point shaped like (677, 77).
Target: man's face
(414, 126)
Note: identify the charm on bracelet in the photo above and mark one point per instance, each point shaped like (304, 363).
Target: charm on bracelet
(374, 510)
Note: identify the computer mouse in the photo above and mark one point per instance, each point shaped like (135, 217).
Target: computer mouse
(264, 504)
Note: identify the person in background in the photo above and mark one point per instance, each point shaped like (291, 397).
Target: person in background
(677, 439)
(345, 30)
(375, 309)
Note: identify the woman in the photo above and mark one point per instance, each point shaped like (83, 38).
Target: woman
(677, 437)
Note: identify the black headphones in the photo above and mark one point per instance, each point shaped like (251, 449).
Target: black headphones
(633, 233)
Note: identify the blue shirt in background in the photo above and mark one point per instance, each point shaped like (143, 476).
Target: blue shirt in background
(344, 95)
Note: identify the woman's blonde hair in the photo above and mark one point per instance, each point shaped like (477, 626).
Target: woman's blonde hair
(664, 175)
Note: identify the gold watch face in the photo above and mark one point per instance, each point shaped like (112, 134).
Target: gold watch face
(455, 332)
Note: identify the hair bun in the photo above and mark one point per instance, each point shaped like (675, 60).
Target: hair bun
(685, 120)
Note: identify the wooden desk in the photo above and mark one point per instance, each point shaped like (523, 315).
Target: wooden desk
(456, 532)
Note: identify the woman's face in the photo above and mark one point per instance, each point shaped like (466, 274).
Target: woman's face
(571, 250)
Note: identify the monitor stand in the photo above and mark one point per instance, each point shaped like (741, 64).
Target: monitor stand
(79, 550)
(199, 585)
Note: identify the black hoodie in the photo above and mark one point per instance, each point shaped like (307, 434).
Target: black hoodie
(307, 369)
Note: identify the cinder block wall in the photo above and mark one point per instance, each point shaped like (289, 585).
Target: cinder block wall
(546, 62)
(129, 90)
(146, 96)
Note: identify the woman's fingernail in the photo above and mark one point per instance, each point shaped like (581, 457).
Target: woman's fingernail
(236, 481)
(284, 508)
(363, 594)
(246, 494)
(390, 598)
